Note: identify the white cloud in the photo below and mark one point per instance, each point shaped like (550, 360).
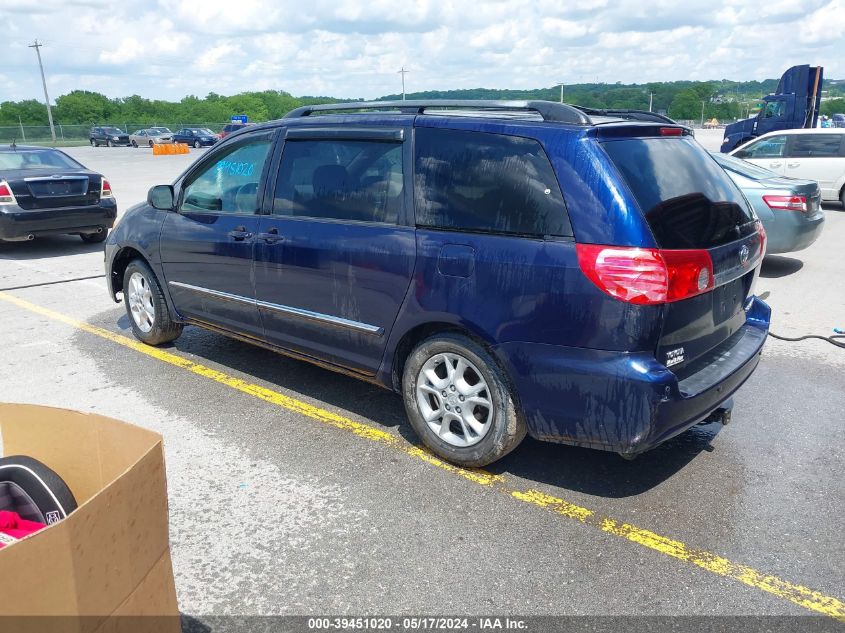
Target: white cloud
(354, 48)
(128, 50)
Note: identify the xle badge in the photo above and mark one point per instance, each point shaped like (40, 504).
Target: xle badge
(675, 356)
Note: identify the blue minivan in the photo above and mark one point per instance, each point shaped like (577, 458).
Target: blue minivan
(507, 267)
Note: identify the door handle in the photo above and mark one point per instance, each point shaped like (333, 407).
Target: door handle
(793, 164)
(239, 233)
(777, 164)
(271, 236)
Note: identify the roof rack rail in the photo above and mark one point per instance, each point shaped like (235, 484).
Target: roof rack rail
(634, 115)
(548, 110)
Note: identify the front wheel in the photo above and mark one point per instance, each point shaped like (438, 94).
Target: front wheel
(459, 402)
(196, 144)
(146, 306)
(111, 143)
(842, 198)
(93, 143)
(134, 144)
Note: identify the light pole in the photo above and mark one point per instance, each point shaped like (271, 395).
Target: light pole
(37, 48)
(650, 100)
(702, 114)
(403, 72)
(561, 92)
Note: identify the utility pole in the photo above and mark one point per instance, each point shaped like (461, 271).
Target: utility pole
(702, 114)
(37, 48)
(403, 72)
(561, 92)
(650, 100)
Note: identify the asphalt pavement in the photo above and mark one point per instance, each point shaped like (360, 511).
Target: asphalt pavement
(294, 490)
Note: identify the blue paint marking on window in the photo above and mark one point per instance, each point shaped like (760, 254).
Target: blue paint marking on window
(236, 168)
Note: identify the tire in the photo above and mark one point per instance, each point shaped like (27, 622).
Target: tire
(111, 143)
(498, 428)
(151, 143)
(44, 492)
(197, 144)
(133, 144)
(94, 143)
(842, 198)
(94, 238)
(162, 329)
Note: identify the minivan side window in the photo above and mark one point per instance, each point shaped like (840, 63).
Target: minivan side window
(340, 179)
(478, 181)
(770, 147)
(815, 145)
(229, 184)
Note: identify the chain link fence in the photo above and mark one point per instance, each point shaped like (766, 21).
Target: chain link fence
(67, 135)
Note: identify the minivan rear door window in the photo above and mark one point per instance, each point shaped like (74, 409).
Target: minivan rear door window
(687, 199)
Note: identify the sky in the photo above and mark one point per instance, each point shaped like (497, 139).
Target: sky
(166, 49)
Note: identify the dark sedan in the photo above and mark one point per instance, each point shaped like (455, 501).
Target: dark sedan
(44, 191)
(195, 136)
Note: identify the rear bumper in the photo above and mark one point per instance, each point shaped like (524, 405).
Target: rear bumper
(18, 223)
(790, 231)
(627, 402)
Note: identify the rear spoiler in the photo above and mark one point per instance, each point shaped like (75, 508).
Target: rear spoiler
(630, 115)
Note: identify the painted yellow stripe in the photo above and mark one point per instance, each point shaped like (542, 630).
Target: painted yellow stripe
(797, 594)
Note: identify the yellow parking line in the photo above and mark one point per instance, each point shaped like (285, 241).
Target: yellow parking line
(797, 594)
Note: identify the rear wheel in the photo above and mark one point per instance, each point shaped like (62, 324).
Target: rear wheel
(111, 143)
(842, 198)
(196, 144)
(459, 401)
(151, 143)
(146, 306)
(93, 143)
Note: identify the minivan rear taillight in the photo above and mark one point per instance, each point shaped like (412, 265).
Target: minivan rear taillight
(787, 203)
(647, 275)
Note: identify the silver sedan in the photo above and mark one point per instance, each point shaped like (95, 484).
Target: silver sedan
(789, 208)
(149, 136)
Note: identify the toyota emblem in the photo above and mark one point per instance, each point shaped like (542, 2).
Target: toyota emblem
(744, 253)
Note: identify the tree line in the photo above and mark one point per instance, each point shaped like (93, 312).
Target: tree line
(723, 100)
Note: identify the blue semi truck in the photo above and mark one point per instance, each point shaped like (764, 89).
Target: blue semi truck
(795, 104)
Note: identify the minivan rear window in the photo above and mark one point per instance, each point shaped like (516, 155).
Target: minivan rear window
(688, 200)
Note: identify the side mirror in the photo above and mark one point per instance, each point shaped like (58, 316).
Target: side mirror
(161, 197)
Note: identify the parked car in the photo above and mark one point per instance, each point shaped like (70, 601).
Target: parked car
(196, 136)
(149, 136)
(789, 208)
(508, 268)
(231, 128)
(44, 191)
(812, 154)
(110, 136)
(838, 120)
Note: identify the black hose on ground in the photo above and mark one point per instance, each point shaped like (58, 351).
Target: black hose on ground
(833, 340)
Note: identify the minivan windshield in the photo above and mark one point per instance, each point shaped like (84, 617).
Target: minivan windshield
(687, 199)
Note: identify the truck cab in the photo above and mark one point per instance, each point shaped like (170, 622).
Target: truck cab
(795, 104)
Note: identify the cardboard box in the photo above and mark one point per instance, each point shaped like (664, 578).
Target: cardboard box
(107, 566)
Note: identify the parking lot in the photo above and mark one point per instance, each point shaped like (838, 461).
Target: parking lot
(296, 490)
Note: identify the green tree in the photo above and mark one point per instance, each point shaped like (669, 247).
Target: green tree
(686, 105)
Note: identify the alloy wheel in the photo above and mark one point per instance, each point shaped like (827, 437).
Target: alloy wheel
(454, 399)
(140, 299)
